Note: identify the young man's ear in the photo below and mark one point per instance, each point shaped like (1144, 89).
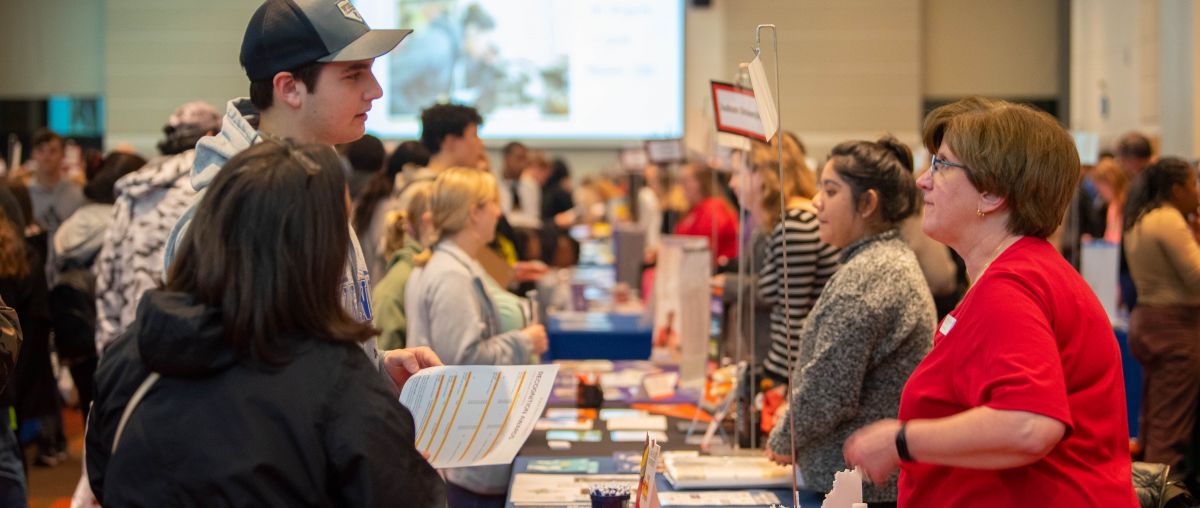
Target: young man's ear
(288, 89)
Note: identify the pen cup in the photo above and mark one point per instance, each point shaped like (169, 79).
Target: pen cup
(609, 497)
(588, 393)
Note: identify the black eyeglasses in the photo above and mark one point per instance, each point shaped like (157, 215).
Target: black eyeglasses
(936, 165)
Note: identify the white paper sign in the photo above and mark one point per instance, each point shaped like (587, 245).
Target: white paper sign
(766, 101)
(665, 151)
(736, 111)
(476, 415)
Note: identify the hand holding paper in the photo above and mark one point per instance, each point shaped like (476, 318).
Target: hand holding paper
(401, 364)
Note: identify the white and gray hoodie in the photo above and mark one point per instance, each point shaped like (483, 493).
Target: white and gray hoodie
(239, 131)
(149, 203)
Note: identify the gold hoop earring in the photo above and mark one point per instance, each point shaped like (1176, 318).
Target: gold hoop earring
(980, 213)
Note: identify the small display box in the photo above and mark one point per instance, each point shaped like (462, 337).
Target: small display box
(599, 336)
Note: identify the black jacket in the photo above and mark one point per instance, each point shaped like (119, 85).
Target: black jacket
(217, 430)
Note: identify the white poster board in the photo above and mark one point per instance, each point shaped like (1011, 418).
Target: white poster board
(1099, 264)
(681, 303)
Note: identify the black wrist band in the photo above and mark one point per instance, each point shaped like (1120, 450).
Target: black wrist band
(902, 444)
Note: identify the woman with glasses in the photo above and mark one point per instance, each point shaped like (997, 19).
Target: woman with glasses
(1021, 401)
(872, 322)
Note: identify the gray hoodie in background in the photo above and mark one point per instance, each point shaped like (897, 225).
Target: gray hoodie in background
(239, 131)
(79, 238)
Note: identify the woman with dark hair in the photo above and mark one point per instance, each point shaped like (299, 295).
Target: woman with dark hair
(380, 198)
(709, 214)
(30, 390)
(1020, 402)
(255, 386)
(871, 324)
(1164, 260)
(557, 208)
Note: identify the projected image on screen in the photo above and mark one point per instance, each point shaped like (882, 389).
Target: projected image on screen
(536, 69)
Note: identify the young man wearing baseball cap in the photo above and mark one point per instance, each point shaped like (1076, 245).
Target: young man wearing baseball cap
(309, 64)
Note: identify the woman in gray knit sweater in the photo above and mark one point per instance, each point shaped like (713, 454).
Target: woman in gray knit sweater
(872, 324)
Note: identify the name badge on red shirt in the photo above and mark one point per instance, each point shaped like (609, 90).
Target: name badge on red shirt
(947, 325)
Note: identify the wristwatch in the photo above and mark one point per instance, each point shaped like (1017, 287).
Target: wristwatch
(902, 444)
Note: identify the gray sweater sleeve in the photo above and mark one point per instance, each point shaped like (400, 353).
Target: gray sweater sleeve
(825, 388)
(457, 328)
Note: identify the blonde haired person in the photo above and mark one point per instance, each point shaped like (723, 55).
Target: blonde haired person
(792, 236)
(455, 308)
(1112, 184)
(407, 234)
(1021, 401)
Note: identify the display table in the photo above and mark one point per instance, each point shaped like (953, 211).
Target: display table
(537, 446)
(609, 466)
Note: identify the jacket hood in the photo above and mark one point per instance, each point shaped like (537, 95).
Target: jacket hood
(80, 237)
(178, 336)
(239, 130)
(158, 174)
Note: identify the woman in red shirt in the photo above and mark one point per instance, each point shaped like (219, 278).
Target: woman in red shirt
(709, 214)
(1020, 402)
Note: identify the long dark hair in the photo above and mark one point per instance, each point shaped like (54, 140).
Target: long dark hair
(886, 166)
(100, 187)
(14, 261)
(267, 247)
(1153, 187)
(384, 182)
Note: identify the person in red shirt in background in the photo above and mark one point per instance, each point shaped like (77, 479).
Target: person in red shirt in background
(709, 214)
(1021, 400)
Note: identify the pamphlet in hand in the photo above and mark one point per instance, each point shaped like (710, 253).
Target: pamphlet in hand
(476, 415)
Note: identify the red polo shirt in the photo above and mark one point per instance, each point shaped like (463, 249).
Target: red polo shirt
(1030, 336)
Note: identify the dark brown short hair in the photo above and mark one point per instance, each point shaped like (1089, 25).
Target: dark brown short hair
(1134, 145)
(268, 247)
(1012, 151)
(43, 136)
(262, 92)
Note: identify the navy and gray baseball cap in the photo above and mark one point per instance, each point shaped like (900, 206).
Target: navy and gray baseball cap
(286, 34)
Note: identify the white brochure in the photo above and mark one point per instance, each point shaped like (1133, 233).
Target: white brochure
(476, 415)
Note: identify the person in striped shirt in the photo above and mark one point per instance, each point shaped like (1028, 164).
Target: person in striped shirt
(793, 241)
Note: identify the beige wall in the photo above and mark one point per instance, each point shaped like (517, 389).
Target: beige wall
(163, 53)
(985, 47)
(851, 68)
(50, 47)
